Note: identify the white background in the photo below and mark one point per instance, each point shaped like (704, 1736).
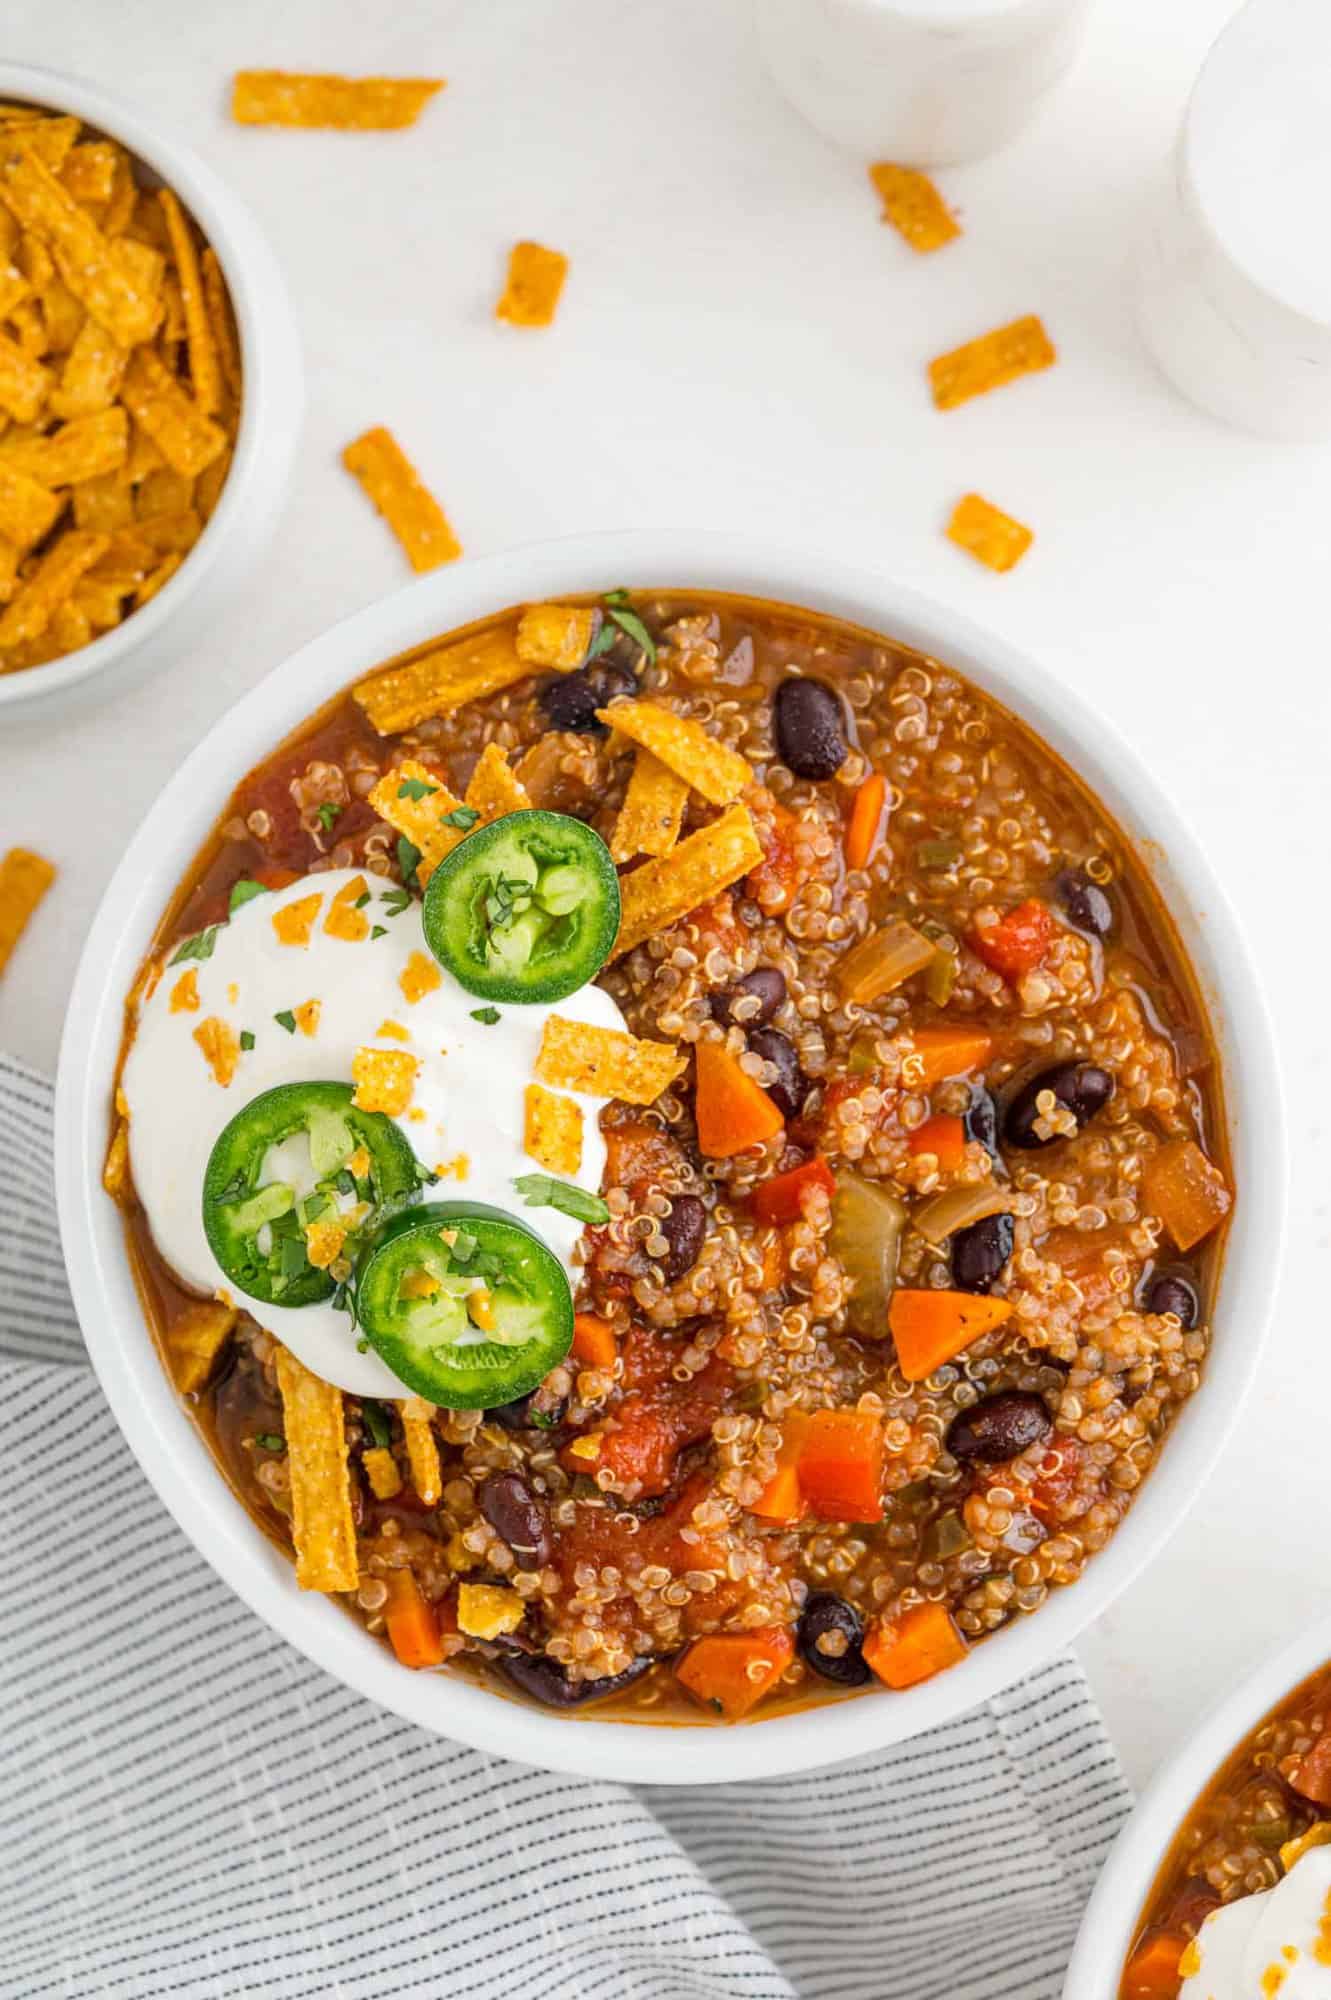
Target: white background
(741, 342)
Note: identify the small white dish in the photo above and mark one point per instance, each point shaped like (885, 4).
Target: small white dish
(1115, 1909)
(169, 1446)
(271, 407)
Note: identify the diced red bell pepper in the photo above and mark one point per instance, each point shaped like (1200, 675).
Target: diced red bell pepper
(781, 1199)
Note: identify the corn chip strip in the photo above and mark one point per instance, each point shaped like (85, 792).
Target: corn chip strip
(653, 810)
(662, 891)
(24, 383)
(493, 790)
(989, 362)
(91, 374)
(381, 1471)
(144, 457)
(88, 262)
(25, 878)
(115, 1173)
(162, 491)
(218, 307)
(173, 327)
(28, 614)
(27, 509)
(321, 1523)
(62, 316)
(10, 558)
(49, 138)
(104, 504)
(987, 533)
(187, 439)
(418, 804)
(603, 1062)
(384, 1080)
(124, 195)
(208, 486)
(422, 1449)
(35, 261)
(29, 327)
(157, 578)
(70, 626)
(14, 288)
(400, 696)
(84, 448)
(914, 207)
(103, 603)
(88, 172)
(204, 369)
(194, 1341)
(719, 774)
(330, 103)
(170, 534)
(391, 482)
(556, 635)
(535, 280)
(552, 1129)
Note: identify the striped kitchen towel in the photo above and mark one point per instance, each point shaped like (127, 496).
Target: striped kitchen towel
(188, 1807)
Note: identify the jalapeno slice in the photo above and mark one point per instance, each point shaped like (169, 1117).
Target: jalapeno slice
(525, 909)
(465, 1304)
(297, 1159)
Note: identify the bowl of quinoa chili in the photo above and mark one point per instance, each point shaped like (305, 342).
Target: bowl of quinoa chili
(692, 1138)
(1220, 1882)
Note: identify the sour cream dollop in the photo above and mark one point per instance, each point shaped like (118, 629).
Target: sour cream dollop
(1277, 1942)
(465, 1120)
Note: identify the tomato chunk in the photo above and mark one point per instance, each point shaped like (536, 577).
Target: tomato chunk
(1018, 942)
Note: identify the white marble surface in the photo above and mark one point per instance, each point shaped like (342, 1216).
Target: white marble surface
(741, 341)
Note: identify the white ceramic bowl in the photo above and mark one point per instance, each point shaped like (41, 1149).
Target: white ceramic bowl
(171, 1450)
(269, 421)
(1114, 1911)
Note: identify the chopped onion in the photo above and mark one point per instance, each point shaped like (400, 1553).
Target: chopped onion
(882, 961)
(957, 1207)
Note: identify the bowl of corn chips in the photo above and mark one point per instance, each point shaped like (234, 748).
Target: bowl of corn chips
(150, 391)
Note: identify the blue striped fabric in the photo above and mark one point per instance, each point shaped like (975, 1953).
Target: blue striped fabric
(187, 1807)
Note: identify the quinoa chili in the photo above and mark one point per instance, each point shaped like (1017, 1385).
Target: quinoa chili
(905, 1276)
(1264, 1808)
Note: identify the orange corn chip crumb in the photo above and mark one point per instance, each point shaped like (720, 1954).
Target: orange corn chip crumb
(294, 922)
(914, 207)
(419, 976)
(221, 1048)
(987, 533)
(393, 1031)
(25, 878)
(344, 920)
(392, 483)
(330, 103)
(996, 358)
(535, 280)
(384, 1080)
(185, 993)
(306, 1017)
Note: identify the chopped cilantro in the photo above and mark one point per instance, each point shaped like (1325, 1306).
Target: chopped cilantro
(395, 902)
(235, 1190)
(199, 946)
(361, 901)
(270, 1441)
(291, 1258)
(487, 1016)
(246, 1038)
(415, 788)
(314, 1206)
(286, 1019)
(377, 1422)
(544, 1191)
(377, 932)
(243, 892)
(620, 610)
(544, 1420)
(326, 814)
(408, 856)
(462, 817)
(606, 635)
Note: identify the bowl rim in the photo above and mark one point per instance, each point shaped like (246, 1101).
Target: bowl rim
(1109, 1922)
(168, 1445)
(250, 271)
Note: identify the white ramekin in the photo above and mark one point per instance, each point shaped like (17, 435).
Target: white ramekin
(271, 406)
(1115, 1909)
(169, 1447)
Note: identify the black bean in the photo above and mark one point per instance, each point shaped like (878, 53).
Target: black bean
(980, 1252)
(513, 1511)
(996, 1429)
(545, 1680)
(1171, 1292)
(1085, 903)
(1080, 1087)
(792, 1085)
(765, 984)
(525, 1414)
(981, 1120)
(571, 701)
(684, 1229)
(826, 1615)
(810, 729)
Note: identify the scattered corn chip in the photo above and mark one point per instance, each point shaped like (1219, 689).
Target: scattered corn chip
(25, 878)
(382, 1473)
(101, 601)
(194, 1341)
(718, 773)
(987, 363)
(105, 504)
(115, 1173)
(208, 486)
(55, 576)
(27, 509)
(88, 171)
(914, 207)
(24, 383)
(330, 103)
(49, 138)
(384, 1080)
(433, 683)
(14, 288)
(62, 315)
(184, 995)
(187, 439)
(604, 1062)
(556, 635)
(419, 976)
(653, 810)
(412, 799)
(492, 789)
(552, 1131)
(84, 448)
(92, 373)
(535, 280)
(294, 922)
(987, 533)
(344, 919)
(488, 1610)
(321, 1522)
(221, 1048)
(106, 285)
(306, 1017)
(124, 194)
(391, 482)
(662, 891)
(422, 1449)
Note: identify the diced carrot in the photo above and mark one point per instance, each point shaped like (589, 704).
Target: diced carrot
(950, 1052)
(1312, 1774)
(866, 821)
(920, 1643)
(841, 1465)
(732, 1671)
(1019, 941)
(931, 1328)
(781, 1499)
(782, 1198)
(594, 1340)
(944, 1137)
(412, 1625)
(1153, 1971)
(732, 1111)
(1186, 1191)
